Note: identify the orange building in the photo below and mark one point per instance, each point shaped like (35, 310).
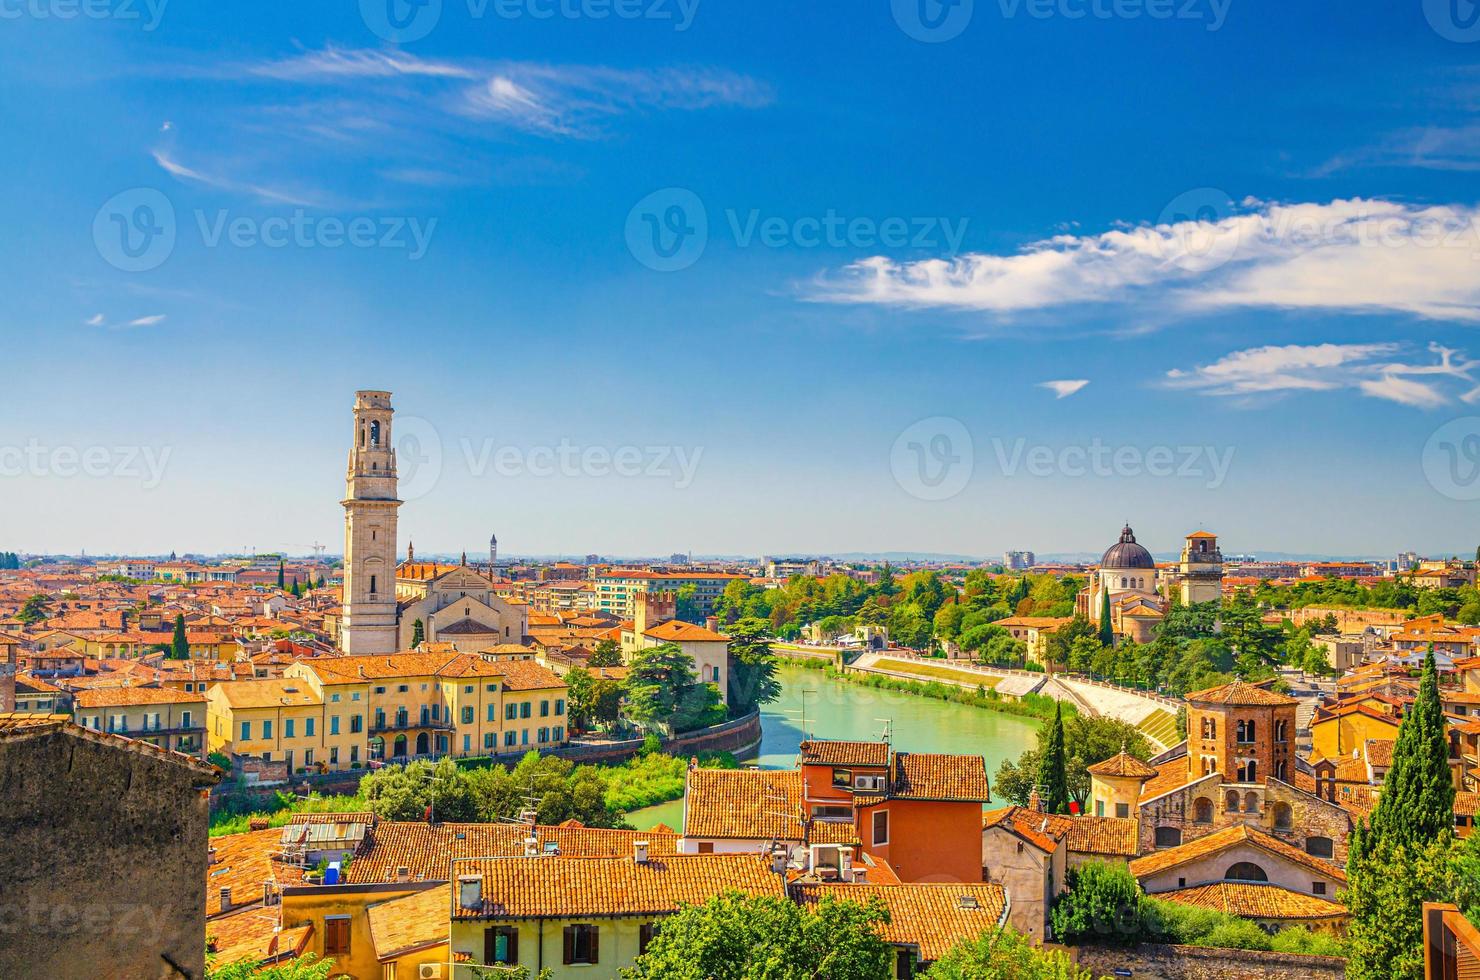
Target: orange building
(1243, 731)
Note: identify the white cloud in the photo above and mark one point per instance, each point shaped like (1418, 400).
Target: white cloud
(1063, 389)
(276, 195)
(1367, 368)
(1356, 255)
(96, 320)
(147, 321)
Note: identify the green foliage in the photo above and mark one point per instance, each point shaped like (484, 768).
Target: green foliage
(1296, 939)
(1107, 631)
(1086, 742)
(305, 967)
(735, 937)
(654, 778)
(686, 604)
(1053, 776)
(35, 609)
(9, 561)
(606, 654)
(752, 667)
(663, 691)
(591, 700)
(179, 643)
(1005, 955)
(1388, 880)
(418, 633)
(1102, 904)
(1416, 804)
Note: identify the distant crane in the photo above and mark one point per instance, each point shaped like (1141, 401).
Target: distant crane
(318, 549)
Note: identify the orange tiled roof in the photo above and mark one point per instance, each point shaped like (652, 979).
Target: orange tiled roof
(1241, 694)
(1123, 765)
(252, 935)
(417, 921)
(753, 804)
(1172, 857)
(267, 693)
(1044, 831)
(1255, 900)
(677, 631)
(1118, 836)
(426, 849)
(572, 887)
(108, 697)
(840, 753)
(935, 776)
(931, 917)
(242, 862)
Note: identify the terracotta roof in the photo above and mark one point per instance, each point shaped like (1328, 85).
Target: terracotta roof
(1170, 775)
(1172, 857)
(831, 753)
(267, 693)
(417, 921)
(1380, 751)
(1118, 836)
(572, 887)
(467, 627)
(931, 917)
(1044, 831)
(1255, 900)
(677, 631)
(1241, 694)
(108, 697)
(1123, 765)
(932, 776)
(753, 804)
(425, 850)
(243, 862)
(252, 935)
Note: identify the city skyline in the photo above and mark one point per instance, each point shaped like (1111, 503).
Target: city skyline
(1016, 310)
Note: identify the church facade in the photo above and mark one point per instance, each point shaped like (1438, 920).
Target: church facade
(383, 602)
(1139, 590)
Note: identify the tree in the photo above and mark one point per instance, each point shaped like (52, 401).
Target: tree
(35, 609)
(1416, 804)
(179, 643)
(580, 693)
(1053, 776)
(1107, 630)
(305, 967)
(1005, 955)
(320, 583)
(418, 633)
(1086, 741)
(663, 691)
(686, 604)
(606, 654)
(752, 667)
(1386, 888)
(281, 580)
(1102, 903)
(769, 937)
(296, 591)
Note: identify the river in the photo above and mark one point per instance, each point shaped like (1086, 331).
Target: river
(839, 710)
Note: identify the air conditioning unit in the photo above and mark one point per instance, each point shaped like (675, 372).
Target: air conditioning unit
(872, 784)
(429, 971)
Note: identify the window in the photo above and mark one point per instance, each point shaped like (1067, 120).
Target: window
(526, 710)
(246, 730)
(560, 706)
(336, 935)
(706, 847)
(501, 946)
(904, 964)
(490, 688)
(467, 714)
(1245, 871)
(1318, 888)
(511, 738)
(557, 733)
(468, 689)
(403, 688)
(1099, 808)
(1248, 771)
(287, 728)
(832, 813)
(1283, 816)
(333, 724)
(582, 944)
(511, 711)
(842, 777)
(1321, 847)
(1168, 836)
(524, 737)
(467, 744)
(488, 742)
(355, 696)
(184, 719)
(267, 729)
(544, 709)
(334, 698)
(881, 827)
(490, 712)
(308, 727)
(645, 935)
(1202, 810)
(355, 723)
(373, 589)
(1122, 810)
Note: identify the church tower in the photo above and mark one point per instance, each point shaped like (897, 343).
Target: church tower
(368, 623)
(1201, 569)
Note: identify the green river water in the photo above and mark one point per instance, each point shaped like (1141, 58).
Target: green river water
(839, 710)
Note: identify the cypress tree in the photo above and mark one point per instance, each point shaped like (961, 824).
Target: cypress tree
(1053, 772)
(1416, 805)
(297, 592)
(281, 582)
(1107, 633)
(418, 633)
(179, 644)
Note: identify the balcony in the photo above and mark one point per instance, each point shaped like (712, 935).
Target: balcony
(410, 724)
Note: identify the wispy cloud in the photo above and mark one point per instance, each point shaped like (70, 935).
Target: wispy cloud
(1063, 389)
(1356, 255)
(147, 321)
(274, 195)
(1371, 369)
(96, 320)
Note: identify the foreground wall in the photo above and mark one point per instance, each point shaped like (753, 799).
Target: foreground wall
(1197, 963)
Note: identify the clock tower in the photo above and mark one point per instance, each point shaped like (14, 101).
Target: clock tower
(368, 623)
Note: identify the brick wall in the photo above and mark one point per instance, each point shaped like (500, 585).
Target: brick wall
(1152, 962)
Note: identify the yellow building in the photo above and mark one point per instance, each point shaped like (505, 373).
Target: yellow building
(1115, 785)
(169, 719)
(583, 917)
(1337, 732)
(339, 926)
(275, 720)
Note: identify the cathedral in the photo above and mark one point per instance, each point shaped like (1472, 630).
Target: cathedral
(384, 602)
(1139, 590)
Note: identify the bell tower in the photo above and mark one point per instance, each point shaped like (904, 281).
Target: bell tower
(368, 622)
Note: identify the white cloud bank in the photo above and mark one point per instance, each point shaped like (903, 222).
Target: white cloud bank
(1355, 255)
(1373, 369)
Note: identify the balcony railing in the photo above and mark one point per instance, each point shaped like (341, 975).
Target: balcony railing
(411, 724)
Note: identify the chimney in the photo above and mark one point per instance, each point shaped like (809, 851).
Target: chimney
(225, 898)
(640, 851)
(403, 874)
(711, 623)
(1035, 802)
(470, 892)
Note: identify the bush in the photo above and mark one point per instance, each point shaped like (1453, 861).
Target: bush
(1102, 904)
(1297, 939)
(1004, 956)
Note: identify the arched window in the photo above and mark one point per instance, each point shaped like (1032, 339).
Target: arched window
(1245, 871)
(1202, 810)
(1283, 816)
(1282, 771)
(1248, 771)
(1168, 836)
(1122, 581)
(1321, 847)
(1281, 731)
(1231, 802)
(375, 433)
(1251, 802)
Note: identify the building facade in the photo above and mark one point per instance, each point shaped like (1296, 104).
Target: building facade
(369, 623)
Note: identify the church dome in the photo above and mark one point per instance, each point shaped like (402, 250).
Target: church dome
(1126, 553)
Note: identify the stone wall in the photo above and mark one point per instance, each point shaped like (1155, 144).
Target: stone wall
(1152, 962)
(1283, 811)
(104, 858)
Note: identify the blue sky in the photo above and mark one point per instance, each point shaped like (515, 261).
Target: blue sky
(1250, 230)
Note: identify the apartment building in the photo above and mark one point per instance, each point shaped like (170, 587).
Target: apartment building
(617, 589)
(162, 717)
